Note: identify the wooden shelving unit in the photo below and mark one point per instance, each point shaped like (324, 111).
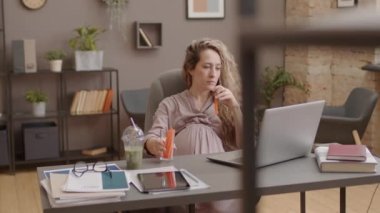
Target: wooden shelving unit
(58, 111)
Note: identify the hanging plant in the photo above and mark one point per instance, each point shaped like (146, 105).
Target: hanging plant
(115, 11)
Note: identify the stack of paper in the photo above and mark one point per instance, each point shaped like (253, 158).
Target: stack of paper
(64, 188)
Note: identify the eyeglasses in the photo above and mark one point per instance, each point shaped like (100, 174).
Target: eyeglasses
(82, 167)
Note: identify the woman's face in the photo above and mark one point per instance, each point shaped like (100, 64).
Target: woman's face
(206, 73)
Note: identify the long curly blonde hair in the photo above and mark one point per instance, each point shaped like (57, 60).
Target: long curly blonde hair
(229, 78)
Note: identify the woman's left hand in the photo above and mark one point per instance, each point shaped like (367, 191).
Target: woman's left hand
(225, 96)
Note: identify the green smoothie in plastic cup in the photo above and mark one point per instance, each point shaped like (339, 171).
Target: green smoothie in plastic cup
(133, 139)
(133, 156)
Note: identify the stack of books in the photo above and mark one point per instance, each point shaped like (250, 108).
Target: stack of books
(345, 158)
(91, 101)
(64, 188)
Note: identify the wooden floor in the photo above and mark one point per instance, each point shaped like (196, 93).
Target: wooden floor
(19, 194)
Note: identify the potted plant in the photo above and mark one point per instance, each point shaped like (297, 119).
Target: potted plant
(38, 99)
(87, 56)
(55, 58)
(275, 79)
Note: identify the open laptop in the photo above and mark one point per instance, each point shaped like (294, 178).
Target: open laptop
(286, 133)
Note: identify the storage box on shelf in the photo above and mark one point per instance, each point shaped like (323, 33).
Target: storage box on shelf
(40, 140)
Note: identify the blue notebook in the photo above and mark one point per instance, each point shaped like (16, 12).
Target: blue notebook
(118, 180)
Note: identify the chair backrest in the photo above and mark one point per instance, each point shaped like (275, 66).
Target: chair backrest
(360, 104)
(135, 103)
(168, 83)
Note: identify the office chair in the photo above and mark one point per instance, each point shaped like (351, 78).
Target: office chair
(337, 123)
(134, 103)
(168, 83)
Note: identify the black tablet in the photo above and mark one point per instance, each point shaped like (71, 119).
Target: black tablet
(163, 181)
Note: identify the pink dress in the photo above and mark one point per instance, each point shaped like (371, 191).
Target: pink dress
(197, 132)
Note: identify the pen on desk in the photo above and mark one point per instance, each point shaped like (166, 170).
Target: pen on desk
(188, 174)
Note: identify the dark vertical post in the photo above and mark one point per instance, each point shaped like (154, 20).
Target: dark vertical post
(249, 83)
(342, 200)
(248, 73)
(303, 202)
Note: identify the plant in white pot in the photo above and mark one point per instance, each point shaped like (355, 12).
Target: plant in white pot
(55, 58)
(87, 56)
(38, 99)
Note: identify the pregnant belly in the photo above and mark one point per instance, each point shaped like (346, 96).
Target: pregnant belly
(197, 139)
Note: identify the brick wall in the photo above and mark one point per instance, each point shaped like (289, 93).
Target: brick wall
(330, 72)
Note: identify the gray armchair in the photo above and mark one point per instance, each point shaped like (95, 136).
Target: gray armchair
(134, 103)
(168, 83)
(337, 123)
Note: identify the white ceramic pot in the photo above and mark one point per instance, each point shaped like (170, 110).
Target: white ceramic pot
(88, 60)
(56, 65)
(39, 109)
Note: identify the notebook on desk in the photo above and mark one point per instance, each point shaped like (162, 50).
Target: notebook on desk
(286, 133)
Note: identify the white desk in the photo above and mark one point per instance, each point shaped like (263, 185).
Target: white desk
(298, 175)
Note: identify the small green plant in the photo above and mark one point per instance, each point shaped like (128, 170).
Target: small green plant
(276, 78)
(35, 96)
(86, 38)
(55, 55)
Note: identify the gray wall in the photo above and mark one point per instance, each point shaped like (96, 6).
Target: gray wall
(52, 27)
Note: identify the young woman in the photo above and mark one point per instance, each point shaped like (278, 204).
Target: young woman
(207, 116)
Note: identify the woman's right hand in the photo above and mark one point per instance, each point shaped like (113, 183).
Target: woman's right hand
(155, 146)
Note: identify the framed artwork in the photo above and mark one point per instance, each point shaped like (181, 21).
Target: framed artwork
(205, 9)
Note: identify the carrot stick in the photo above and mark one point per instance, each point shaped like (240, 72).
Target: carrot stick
(169, 143)
(216, 106)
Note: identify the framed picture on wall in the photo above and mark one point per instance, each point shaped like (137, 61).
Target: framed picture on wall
(205, 9)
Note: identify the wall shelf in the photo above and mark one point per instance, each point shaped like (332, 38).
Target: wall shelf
(148, 35)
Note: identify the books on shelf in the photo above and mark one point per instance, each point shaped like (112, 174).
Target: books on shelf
(94, 151)
(91, 101)
(325, 165)
(108, 101)
(145, 38)
(353, 152)
(75, 103)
